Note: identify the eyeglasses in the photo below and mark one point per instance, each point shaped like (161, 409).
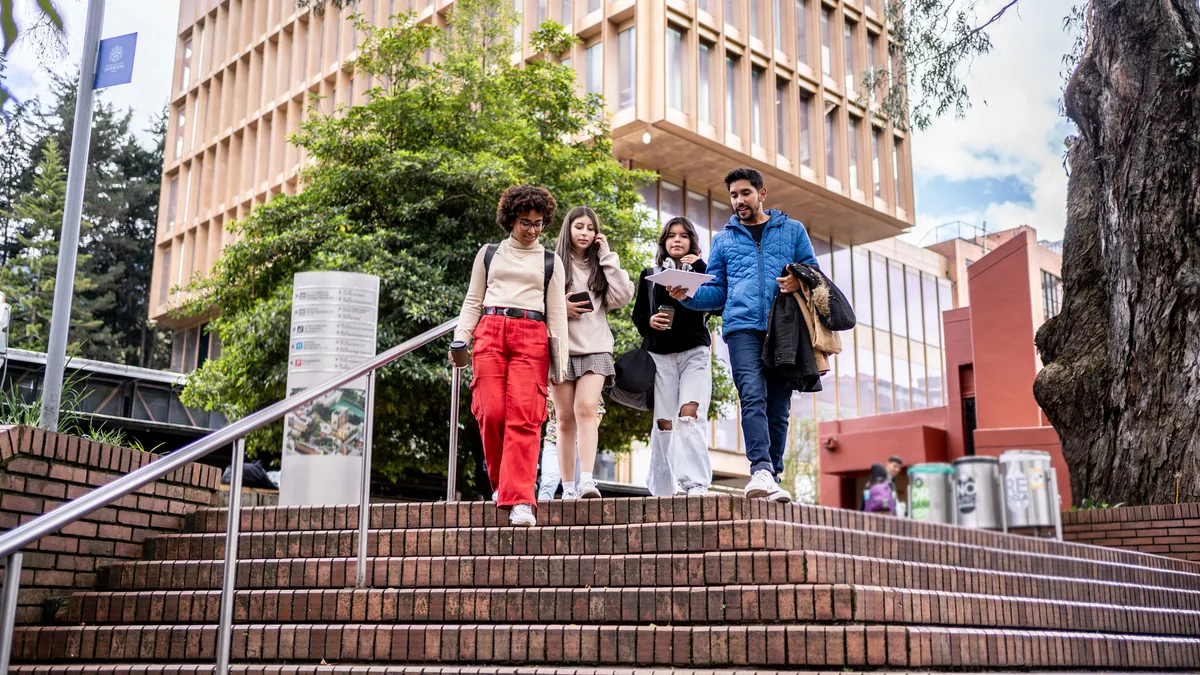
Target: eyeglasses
(531, 225)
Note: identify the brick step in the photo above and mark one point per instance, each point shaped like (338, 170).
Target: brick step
(754, 645)
(625, 511)
(426, 669)
(786, 603)
(656, 538)
(675, 569)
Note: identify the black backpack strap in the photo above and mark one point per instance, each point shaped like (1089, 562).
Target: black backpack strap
(548, 272)
(487, 261)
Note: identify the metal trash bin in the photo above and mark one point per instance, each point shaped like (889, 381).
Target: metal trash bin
(931, 493)
(977, 493)
(1030, 489)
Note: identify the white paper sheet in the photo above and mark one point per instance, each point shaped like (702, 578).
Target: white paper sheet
(689, 280)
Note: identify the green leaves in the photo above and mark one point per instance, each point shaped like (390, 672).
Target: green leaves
(405, 187)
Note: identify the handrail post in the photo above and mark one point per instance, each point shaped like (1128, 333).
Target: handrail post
(452, 469)
(364, 494)
(8, 613)
(229, 572)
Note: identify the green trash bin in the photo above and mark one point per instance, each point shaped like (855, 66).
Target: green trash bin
(931, 493)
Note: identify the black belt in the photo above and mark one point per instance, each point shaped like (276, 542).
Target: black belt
(514, 313)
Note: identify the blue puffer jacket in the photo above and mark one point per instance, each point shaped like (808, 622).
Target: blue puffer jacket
(744, 284)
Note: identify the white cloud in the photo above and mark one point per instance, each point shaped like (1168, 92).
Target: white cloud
(1013, 129)
(155, 22)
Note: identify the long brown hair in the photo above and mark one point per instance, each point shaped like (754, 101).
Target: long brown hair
(597, 282)
(693, 238)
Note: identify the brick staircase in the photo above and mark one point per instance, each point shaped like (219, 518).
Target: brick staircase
(622, 585)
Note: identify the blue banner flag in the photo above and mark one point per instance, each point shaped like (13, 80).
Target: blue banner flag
(115, 65)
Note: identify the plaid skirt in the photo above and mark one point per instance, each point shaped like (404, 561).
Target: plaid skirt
(600, 364)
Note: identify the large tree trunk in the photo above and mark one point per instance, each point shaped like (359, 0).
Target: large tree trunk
(1122, 377)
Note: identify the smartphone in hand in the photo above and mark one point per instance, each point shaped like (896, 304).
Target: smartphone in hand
(582, 296)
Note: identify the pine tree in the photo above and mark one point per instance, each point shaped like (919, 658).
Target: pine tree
(28, 280)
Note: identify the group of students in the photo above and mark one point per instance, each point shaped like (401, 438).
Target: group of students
(538, 323)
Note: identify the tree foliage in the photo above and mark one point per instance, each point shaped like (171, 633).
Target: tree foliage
(46, 29)
(405, 187)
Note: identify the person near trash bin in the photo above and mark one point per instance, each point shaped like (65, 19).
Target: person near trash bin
(596, 285)
(895, 466)
(679, 342)
(551, 476)
(513, 315)
(880, 496)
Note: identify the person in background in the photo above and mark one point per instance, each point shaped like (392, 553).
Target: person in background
(551, 474)
(679, 342)
(756, 245)
(894, 466)
(510, 314)
(595, 286)
(880, 495)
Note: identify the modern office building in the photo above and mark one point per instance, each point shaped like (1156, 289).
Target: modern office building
(693, 88)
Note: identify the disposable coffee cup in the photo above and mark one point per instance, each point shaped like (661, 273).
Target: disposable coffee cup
(670, 312)
(458, 352)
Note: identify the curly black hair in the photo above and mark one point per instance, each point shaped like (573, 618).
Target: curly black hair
(744, 173)
(520, 199)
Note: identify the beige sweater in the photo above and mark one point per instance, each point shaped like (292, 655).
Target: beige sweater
(516, 280)
(590, 333)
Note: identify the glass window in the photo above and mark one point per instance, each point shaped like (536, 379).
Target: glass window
(186, 79)
(542, 11)
(847, 379)
(595, 5)
(901, 376)
(866, 371)
(896, 293)
(756, 115)
(731, 87)
(824, 254)
(675, 68)
(516, 28)
(164, 280)
(826, 54)
(721, 213)
(172, 202)
(672, 201)
(595, 69)
(802, 31)
(885, 392)
(930, 311)
(896, 150)
(777, 22)
(626, 68)
(920, 377)
(706, 5)
(872, 49)
(916, 316)
(853, 142)
(180, 120)
(936, 377)
(756, 19)
(781, 126)
(877, 181)
(731, 12)
(879, 293)
(649, 192)
(1051, 295)
(706, 106)
(697, 212)
(567, 12)
(805, 130)
(861, 287)
(830, 146)
(848, 48)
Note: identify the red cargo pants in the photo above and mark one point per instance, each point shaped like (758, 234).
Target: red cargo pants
(508, 398)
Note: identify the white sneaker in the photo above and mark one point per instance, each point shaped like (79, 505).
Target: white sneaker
(522, 516)
(780, 495)
(697, 490)
(762, 484)
(496, 497)
(570, 494)
(588, 490)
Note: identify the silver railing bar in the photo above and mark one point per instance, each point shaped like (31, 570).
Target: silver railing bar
(229, 572)
(364, 494)
(17, 539)
(452, 470)
(8, 616)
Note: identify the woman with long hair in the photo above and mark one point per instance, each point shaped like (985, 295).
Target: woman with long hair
(511, 312)
(678, 340)
(595, 285)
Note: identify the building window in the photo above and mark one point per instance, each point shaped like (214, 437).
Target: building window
(1051, 295)
(897, 149)
(781, 118)
(595, 69)
(731, 12)
(164, 279)
(187, 66)
(805, 130)
(180, 121)
(568, 12)
(802, 31)
(706, 5)
(826, 54)
(853, 164)
(830, 145)
(875, 163)
(731, 87)
(848, 47)
(542, 10)
(675, 68)
(516, 28)
(777, 18)
(872, 48)
(595, 5)
(626, 68)
(756, 20)
(708, 67)
(172, 202)
(756, 125)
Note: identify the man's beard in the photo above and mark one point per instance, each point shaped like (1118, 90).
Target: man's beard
(749, 217)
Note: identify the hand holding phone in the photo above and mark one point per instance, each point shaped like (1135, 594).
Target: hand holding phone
(579, 304)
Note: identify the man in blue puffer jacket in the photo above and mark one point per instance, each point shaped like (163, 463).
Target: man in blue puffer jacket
(746, 261)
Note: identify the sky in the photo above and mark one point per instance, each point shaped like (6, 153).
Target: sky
(1000, 164)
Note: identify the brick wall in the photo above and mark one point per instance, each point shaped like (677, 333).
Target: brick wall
(41, 470)
(1171, 530)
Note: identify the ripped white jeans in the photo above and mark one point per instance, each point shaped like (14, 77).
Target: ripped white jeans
(679, 456)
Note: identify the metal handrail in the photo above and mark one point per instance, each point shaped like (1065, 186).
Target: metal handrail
(13, 541)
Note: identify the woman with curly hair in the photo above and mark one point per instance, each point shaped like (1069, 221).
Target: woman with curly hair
(511, 312)
(596, 285)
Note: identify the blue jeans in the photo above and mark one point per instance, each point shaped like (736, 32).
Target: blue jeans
(766, 402)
